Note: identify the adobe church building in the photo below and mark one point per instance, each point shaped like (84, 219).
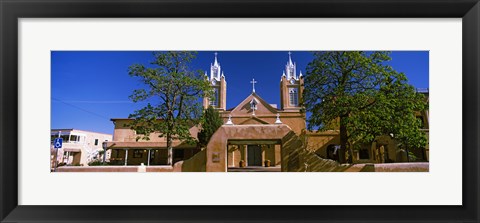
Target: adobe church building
(255, 133)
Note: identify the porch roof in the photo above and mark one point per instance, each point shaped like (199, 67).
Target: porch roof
(144, 145)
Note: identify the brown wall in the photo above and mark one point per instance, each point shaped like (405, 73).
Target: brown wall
(195, 164)
(216, 148)
(123, 133)
(318, 142)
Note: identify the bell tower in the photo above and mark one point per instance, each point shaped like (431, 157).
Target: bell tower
(291, 86)
(219, 85)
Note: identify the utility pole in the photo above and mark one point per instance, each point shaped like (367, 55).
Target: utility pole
(56, 153)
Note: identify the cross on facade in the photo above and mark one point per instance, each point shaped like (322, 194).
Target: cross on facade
(278, 119)
(253, 82)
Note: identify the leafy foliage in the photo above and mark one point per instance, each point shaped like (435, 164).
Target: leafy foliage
(358, 93)
(97, 162)
(173, 91)
(211, 121)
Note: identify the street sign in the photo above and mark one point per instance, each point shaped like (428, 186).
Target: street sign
(57, 143)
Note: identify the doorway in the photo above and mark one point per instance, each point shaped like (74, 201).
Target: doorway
(254, 155)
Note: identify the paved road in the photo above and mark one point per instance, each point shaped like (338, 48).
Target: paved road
(254, 169)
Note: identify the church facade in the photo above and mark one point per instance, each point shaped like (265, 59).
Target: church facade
(254, 110)
(243, 149)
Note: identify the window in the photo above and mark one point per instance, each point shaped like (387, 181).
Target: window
(363, 154)
(138, 153)
(96, 142)
(332, 152)
(293, 92)
(214, 99)
(215, 72)
(64, 138)
(253, 104)
(65, 157)
(74, 138)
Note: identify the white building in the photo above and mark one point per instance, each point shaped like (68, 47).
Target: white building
(79, 147)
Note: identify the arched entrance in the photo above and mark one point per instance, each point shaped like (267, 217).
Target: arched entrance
(254, 155)
(251, 138)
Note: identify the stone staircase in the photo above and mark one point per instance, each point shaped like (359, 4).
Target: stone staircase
(296, 157)
(196, 163)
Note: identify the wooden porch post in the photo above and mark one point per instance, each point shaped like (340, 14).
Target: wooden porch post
(126, 156)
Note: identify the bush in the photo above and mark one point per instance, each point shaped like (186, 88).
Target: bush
(97, 162)
(211, 121)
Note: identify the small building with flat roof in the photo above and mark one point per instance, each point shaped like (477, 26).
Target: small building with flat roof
(79, 146)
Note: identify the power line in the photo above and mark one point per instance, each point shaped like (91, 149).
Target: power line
(82, 109)
(101, 102)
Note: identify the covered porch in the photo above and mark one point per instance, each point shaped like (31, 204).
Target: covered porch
(147, 153)
(253, 154)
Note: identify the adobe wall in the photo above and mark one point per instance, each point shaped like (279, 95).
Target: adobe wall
(314, 165)
(195, 164)
(123, 133)
(401, 167)
(295, 157)
(216, 152)
(115, 169)
(319, 141)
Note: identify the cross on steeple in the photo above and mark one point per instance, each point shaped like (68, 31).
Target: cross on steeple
(253, 82)
(216, 62)
(290, 68)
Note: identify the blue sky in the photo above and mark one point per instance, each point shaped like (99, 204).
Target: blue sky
(91, 87)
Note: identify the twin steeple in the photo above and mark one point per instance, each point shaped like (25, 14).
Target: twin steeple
(219, 85)
(290, 71)
(216, 70)
(291, 86)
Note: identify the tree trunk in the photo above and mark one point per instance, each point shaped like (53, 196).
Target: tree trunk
(343, 141)
(169, 150)
(350, 158)
(406, 150)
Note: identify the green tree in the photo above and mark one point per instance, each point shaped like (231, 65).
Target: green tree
(172, 91)
(363, 97)
(211, 121)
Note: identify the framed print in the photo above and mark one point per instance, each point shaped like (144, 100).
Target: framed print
(55, 53)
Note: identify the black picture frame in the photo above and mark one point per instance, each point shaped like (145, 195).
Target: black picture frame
(11, 11)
